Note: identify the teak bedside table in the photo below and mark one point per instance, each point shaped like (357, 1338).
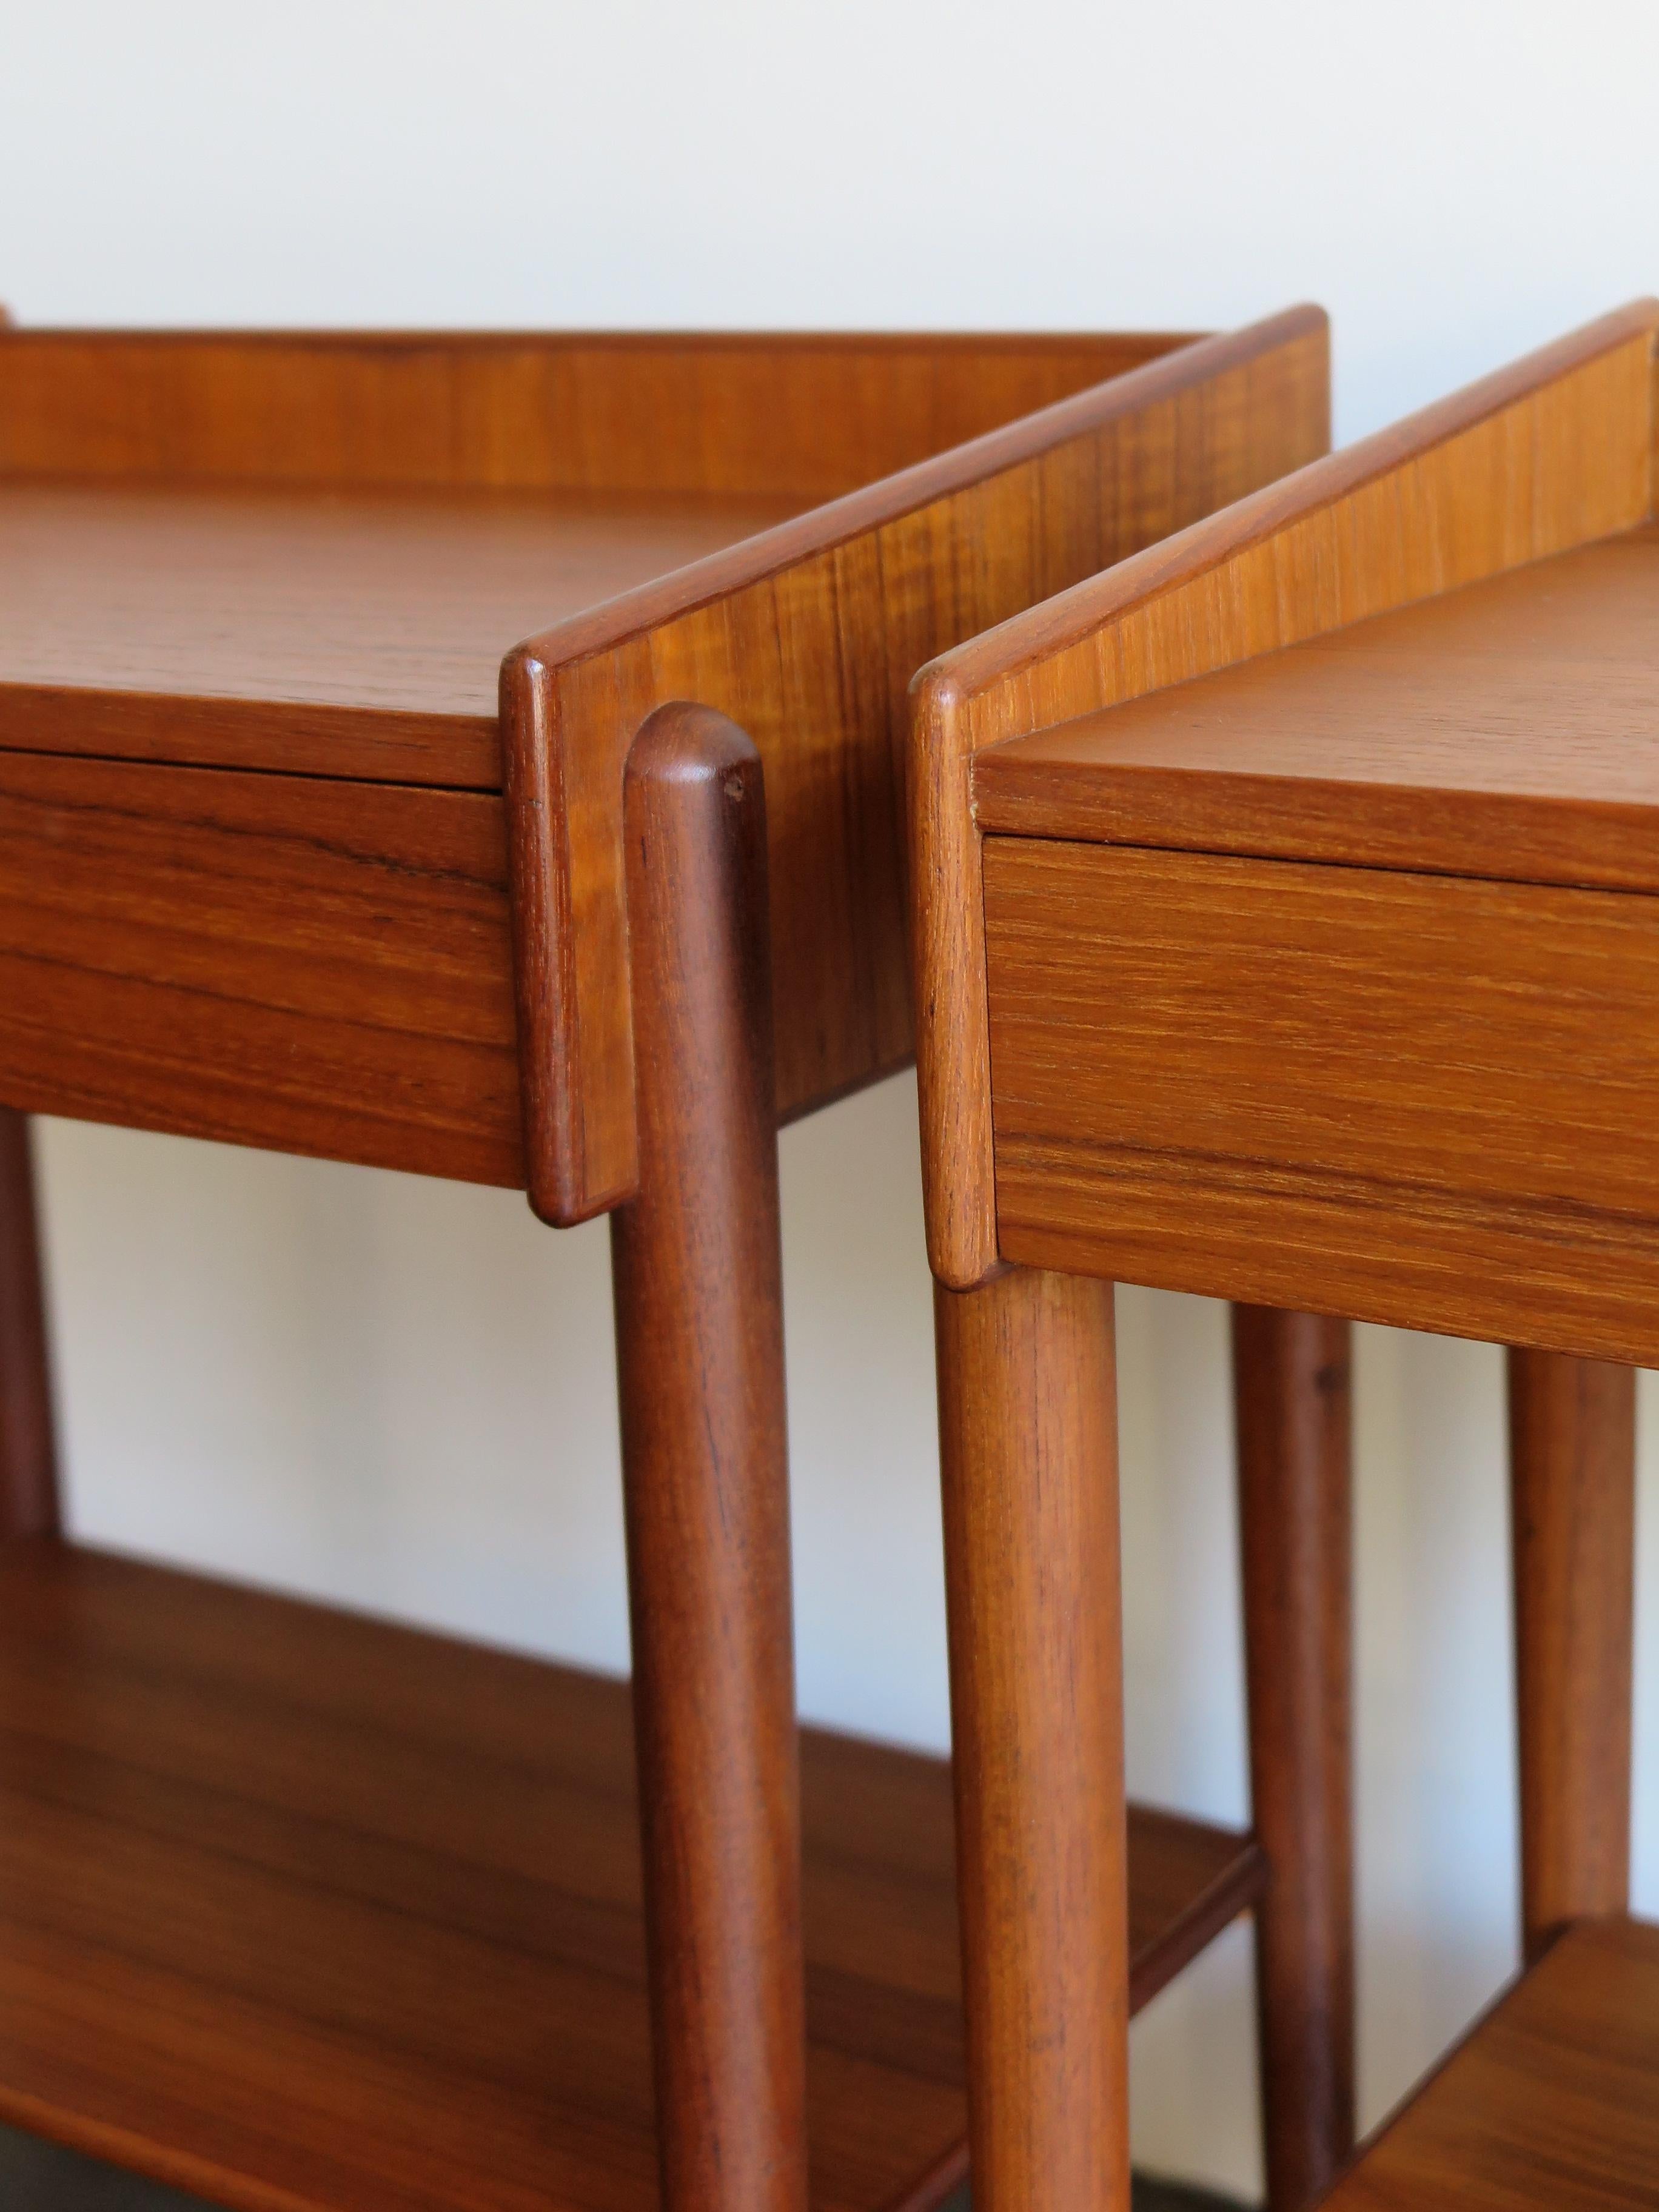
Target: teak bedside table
(306, 1912)
(1288, 929)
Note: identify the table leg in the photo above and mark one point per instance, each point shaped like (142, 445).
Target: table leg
(1572, 1475)
(1029, 1444)
(28, 1469)
(697, 1278)
(1290, 1379)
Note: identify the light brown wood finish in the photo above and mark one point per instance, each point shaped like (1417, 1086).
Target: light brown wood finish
(1553, 454)
(697, 1266)
(1028, 1441)
(1551, 2105)
(304, 1909)
(316, 632)
(1505, 730)
(1192, 1092)
(28, 1458)
(807, 637)
(1291, 1383)
(1572, 1472)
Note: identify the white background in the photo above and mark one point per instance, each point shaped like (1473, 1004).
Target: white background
(400, 1393)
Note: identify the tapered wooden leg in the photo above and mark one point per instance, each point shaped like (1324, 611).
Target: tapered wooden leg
(1029, 1443)
(698, 1289)
(1291, 1378)
(1572, 1475)
(28, 1466)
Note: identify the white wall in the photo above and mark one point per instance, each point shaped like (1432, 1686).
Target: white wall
(400, 1393)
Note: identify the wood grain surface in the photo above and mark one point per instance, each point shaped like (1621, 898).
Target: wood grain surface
(301, 1909)
(1553, 454)
(1028, 1449)
(798, 415)
(1293, 1397)
(1572, 1523)
(697, 1270)
(1551, 2105)
(303, 963)
(1506, 730)
(311, 632)
(1220, 1075)
(807, 637)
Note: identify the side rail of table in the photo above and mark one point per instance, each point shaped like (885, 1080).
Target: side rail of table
(807, 637)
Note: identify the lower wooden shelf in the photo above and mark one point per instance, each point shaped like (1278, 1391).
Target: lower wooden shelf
(1550, 2104)
(308, 1913)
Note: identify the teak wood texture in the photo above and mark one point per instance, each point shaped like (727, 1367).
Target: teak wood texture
(308, 555)
(1572, 1527)
(1552, 2105)
(304, 1911)
(1028, 1457)
(1552, 455)
(697, 1270)
(1292, 1395)
(807, 638)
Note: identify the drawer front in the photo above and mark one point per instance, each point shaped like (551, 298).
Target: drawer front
(301, 964)
(1411, 1098)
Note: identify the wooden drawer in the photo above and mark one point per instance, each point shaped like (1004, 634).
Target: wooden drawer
(304, 964)
(1416, 1098)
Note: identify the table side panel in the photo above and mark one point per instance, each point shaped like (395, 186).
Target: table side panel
(303, 964)
(814, 660)
(1424, 1100)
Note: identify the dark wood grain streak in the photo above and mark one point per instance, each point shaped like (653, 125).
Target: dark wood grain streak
(697, 1265)
(309, 966)
(1292, 1392)
(29, 1503)
(807, 636)
(1028, 1441)
(297, 1907)
(1573, 1478)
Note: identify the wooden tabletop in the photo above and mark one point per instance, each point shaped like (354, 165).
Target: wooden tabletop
(1510, 730)
(354, 633)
